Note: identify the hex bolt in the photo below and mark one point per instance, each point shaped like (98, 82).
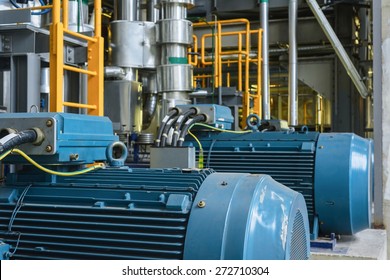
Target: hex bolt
(201, 204)
(49, 123)
(74, 156)
(49, 148)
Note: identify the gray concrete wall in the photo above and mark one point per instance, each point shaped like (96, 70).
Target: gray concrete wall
(386, 114)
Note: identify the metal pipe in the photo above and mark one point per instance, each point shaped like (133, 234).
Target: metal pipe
(292, 66)
(126, 10)
(114, 72)
(149, 109)
(153, 14)
(266, 108)
(149, 81)
(340, 51)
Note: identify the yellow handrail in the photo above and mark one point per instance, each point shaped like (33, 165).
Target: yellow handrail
(251, 100)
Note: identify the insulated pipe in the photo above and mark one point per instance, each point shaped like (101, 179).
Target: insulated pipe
(126, 10)
(149, 109)
(266, 110)
(338, 47)
(114, 72)
(292, 66)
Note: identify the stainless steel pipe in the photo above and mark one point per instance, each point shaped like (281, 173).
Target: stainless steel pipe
(266, 96)
(293, 64)
(126, 10)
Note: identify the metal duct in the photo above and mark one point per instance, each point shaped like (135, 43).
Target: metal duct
(292, 67)
(338, 47)
(266, 108)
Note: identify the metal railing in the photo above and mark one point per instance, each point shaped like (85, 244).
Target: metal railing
(225, 55)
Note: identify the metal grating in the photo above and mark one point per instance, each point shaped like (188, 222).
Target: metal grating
(298, 246)
(102, 215)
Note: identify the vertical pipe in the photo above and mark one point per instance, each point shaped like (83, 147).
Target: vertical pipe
(153, 14)
(126, 10)
(292, 66)
(266, 110)
(338, 47)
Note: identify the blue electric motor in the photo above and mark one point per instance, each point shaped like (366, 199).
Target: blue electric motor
(333, 171)
(121, 213)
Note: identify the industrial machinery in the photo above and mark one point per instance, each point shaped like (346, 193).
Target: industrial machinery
(64, 211)
(85, 203)
(333, 171)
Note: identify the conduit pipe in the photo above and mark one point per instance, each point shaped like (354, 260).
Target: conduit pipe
(337, 46)
(292, 66)
(265, 92)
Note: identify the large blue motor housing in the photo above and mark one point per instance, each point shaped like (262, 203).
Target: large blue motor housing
(333, 171)
(122, 213)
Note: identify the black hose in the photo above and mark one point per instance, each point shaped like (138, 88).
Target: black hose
(15, 139)
(183, 118)
(183, 133)
(167, 127)
(173, 112)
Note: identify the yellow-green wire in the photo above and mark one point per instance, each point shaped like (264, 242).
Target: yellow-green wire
(201, 160)
(4, 155)
(219, 129)
(37, 165)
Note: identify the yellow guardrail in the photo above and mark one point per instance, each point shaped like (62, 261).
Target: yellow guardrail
(221, 55)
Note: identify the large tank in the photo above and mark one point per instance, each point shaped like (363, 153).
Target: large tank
(122, 213)
(333, 171)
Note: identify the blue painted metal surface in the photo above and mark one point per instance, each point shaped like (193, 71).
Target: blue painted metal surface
(335, 180)
(73, 138)
(217, 115)
(4, 251)
(122, 213)
(255, 217)
(343, 179)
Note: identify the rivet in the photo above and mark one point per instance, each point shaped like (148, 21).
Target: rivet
(320, 147)
(201, 204)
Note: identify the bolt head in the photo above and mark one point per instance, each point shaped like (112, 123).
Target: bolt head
(49, 123)
(201, 204)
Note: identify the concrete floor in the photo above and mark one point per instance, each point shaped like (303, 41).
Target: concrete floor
(370, 244)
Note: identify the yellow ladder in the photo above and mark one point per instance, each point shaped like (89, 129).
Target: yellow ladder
(95, 61)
